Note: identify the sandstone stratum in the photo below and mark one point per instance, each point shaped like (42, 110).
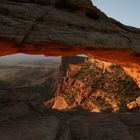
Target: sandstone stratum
(35, 27)
(93, 96)
(68, 22)
(97, 86)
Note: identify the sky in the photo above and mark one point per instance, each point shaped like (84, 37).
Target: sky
(125, 11)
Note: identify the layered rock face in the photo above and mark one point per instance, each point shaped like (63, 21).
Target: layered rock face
(97, 86)
(67, 22)
(110, 83)
(130, 66)
(29, 26)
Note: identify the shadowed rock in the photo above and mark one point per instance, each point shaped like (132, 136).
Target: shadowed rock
(67, 22)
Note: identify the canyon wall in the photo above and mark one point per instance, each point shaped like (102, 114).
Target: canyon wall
(66, 27)
(97, 86)
(43, 26)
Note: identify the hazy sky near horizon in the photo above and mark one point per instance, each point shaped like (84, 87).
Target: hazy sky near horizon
(125, 11)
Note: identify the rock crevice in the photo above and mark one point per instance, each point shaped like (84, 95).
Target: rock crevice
(67, 22)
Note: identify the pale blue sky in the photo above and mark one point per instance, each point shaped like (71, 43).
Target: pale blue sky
(125, 11)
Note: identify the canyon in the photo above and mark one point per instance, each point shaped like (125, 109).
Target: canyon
(54, 97)
(96, 86)
(67, 72)
(63, 22)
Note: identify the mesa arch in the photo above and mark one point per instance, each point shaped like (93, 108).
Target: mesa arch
(57, 27)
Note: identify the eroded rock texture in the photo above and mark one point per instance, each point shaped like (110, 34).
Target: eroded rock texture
(73, 125)
(97, 86)
(67, 22)
(32, 26)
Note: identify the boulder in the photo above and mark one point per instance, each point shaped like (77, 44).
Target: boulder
(138, 101)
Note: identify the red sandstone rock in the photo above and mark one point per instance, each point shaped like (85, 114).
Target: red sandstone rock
(67, 22)
(97, 86)
(33, 26)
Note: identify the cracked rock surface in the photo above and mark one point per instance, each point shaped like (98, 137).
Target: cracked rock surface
(73, 125)
(67, 22)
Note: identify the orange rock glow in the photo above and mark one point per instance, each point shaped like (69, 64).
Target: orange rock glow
(128, 59)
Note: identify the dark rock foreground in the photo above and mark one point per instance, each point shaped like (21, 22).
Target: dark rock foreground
(73, 125)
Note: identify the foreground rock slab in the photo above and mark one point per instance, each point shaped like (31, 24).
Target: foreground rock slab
(74, 125)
